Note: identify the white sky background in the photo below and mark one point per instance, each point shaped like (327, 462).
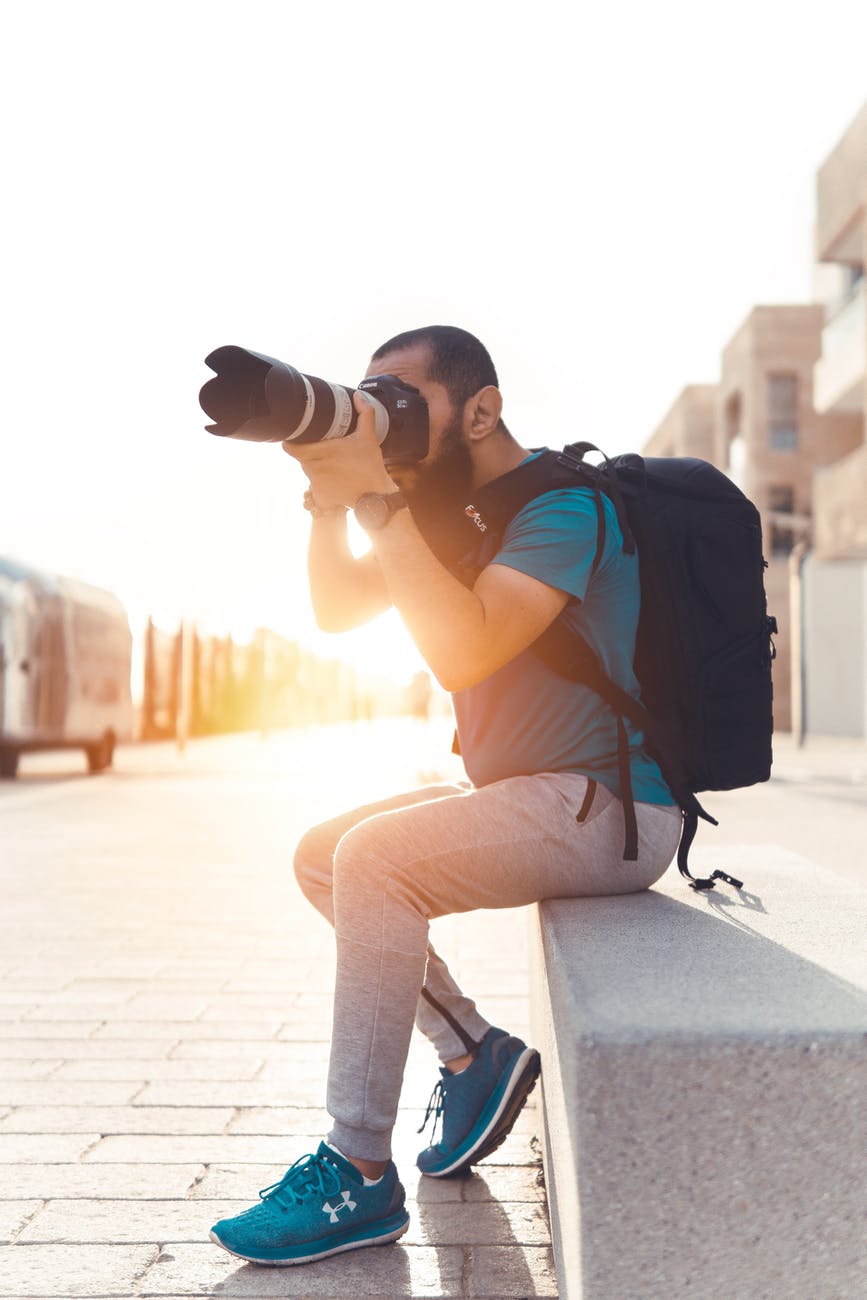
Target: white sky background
(600, 192)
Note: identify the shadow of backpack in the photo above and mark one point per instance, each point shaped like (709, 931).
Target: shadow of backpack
(703, 647)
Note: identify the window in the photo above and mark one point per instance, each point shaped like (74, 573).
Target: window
(781, 502)
(854, 277)
(783, 410)
(733, 417)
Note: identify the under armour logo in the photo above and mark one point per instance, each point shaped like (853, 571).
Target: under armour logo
(334, 1210)
(472, 513)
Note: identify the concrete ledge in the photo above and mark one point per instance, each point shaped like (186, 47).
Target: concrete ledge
(704, 1079)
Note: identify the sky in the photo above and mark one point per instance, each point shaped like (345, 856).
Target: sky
(601, 192)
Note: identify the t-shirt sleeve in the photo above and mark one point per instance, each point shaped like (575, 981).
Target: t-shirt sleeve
(553, 539)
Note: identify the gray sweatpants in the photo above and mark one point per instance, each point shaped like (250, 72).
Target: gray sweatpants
(381, 873)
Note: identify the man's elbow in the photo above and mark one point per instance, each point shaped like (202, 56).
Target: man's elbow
(345, 616)
(454, 677)
(330, 620)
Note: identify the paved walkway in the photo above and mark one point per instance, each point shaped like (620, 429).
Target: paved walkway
(165, 1008)
(841, 760)
(165, 1012)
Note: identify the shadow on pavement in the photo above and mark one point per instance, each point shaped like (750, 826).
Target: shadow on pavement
(473, 1220)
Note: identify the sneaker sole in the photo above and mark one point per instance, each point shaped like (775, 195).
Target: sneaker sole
(393, 1230)
(521, 1083)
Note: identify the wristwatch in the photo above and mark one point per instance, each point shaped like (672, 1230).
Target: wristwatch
(374, 509)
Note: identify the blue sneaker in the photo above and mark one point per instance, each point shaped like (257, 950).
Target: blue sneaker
(479, 1105)
(320, 1207)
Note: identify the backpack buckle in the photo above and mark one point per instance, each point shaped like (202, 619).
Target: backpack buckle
(709, 882)
(729, 880)
(571, 460)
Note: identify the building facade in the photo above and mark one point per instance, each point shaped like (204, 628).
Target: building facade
(771, 439)
(835, 574)
(787, 423)
(689, 426)
(841, 253)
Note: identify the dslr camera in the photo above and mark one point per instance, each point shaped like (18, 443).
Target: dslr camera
(261, 399)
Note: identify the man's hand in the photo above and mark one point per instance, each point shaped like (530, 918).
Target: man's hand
(341, 470)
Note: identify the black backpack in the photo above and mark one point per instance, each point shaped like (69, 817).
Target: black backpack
(703, 650)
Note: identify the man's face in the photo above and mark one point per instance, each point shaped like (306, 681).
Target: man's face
(444, 476)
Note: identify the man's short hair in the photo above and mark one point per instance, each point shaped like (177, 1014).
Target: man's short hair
(458, 360)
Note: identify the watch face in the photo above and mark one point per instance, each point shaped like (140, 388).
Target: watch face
(372, 510)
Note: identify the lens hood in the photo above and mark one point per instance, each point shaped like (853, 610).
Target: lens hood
(253, 396)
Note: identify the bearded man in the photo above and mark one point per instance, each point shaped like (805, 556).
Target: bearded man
(540, 817)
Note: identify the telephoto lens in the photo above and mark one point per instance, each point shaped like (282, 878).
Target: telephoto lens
(261, 399)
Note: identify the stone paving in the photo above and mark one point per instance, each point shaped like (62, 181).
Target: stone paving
(165, 1015)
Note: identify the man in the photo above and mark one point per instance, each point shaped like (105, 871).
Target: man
(542, 819)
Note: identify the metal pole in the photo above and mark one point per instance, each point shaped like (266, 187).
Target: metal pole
(798, 676)
(185, 692)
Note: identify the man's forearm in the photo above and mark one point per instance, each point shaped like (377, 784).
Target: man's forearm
(463, 635)
(444, 618)
(345, 591)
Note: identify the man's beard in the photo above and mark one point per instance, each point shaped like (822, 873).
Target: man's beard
(447, 481)
(438, 492)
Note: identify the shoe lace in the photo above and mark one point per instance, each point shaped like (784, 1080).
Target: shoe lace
(309, 1174)
(436, 1106)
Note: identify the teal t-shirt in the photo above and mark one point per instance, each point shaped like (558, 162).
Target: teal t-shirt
(525, 718)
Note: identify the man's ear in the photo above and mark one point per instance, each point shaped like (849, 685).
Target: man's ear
(482, 413)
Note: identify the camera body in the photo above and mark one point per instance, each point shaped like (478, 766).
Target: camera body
(260, 399)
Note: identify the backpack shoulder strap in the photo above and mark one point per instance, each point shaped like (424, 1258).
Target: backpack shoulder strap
(495, 504)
